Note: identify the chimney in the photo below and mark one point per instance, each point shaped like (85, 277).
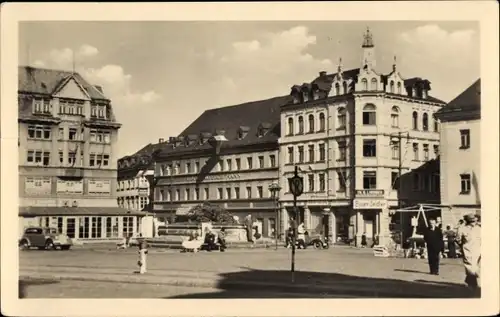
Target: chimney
(180, 140)
(161, 140)
(322, 73)
(98, 88)
(172, 140)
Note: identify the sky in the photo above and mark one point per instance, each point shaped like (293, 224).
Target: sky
(160, 76)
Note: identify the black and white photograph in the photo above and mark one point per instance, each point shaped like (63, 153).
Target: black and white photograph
(250, 159)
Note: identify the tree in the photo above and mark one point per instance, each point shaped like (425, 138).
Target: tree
(208, 212)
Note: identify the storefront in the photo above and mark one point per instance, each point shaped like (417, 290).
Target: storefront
(91, 224)
(369, 207)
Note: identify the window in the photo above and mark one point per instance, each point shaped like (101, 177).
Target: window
(111, 227)
(370, 148)
(261, 162)
(38, 157)
(162, 195)
(97, 160)
(61, 158)
(322, 122)
(177, 168)
(369, 115)
(290, 155)
(228, 193)
(344, 86)
(229, 164)
(100, 136)
(426, 152)
(249, 163)
(436, 125)
(395, 180)
(416, 182)
(187, 194)
(399, 88)
(374, 84)
(342, 150)
(188, 168)
(392, 87)
(311, 123)
(337, 89)
(341, 118)
(465, 182)
(436, 150)
(84, 233)
(238, 164)
(39, 132)
(272, 160)
(301, 125)
(290, 126)
(415, 120)
(464, 139)
(311, 152)
(73, 134)
(310, 182)
(46, 159)
(301, 154)
(415, 151)
(206, 193)
(237, 193)
(96, 227)
(395, 150)
(249, 192)
(177, 194)
(322, 183)
(128, 226)
(61, 134)
(342, 181)
(395, 117)
(425, 122)
(364, 84)
(322, 153)
(219, 193)
(369, 180)
(71, 158)
(260, 192)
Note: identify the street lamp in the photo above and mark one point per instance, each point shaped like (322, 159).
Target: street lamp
(274, 188)
(296, 184)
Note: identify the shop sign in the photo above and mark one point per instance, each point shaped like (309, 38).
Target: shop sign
(369, 193)
(369, 203)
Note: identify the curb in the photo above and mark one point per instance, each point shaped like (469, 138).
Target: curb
(217, 283)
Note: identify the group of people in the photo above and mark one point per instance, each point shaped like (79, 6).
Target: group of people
(301, 237)
(468, 238)
(212, 241)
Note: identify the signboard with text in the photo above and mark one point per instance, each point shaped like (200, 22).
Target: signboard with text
(369, 192)
(369, 203)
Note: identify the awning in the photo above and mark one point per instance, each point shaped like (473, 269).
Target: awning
(77, 211)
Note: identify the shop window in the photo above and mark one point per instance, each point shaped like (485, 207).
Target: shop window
(128, 226)
(84, 232)
(96, 227)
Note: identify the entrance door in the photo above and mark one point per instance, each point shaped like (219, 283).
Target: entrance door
(70, 227)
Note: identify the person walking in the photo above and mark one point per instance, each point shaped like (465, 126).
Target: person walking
(364, 243)
(433, 238)
(249, 227)
(143, 252)
(221, 239)
(470, 241)
(451, 237)
(301, 236)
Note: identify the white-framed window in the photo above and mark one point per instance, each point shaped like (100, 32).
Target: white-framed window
(38, 157)
(425, 122)
(342, 150)
(39, 132)
(341, 118)
(311, 123)
(220, 193)
(415, 120)
(301, 125)
(100, 136)
(395, 150)
(415, 152)
(290, 155)
(464, 139)
(322, 182)
(465, 184)
(290, 127)
(42, 106)
(395, 117)
(369, 147)
(322, 122)
(369, 179)
(426, 151)
(369, 115)
(98, 160)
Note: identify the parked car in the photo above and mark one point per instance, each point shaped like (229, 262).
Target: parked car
(44, 239)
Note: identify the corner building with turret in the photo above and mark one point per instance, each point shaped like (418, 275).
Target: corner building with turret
(344, 131)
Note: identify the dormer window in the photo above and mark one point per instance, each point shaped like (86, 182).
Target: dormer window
(399, 88)
(263, 129)
(242, 132)
(424, 93)
(413, 92)
(344, 85)
(42, 106)
(305, 96)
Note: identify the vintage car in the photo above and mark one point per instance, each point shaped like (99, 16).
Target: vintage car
(44, 239)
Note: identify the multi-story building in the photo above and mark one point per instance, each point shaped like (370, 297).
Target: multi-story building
(67, 164)
(460, 156)
(228, 156)
(349, 132)
(135, 185)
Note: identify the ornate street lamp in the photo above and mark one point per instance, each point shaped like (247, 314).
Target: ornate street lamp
(296, 184)
(274, 188)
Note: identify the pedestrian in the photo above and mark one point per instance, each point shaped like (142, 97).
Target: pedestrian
(143, 253)
(210, 240)
(433, 238)
(289, 237)
(221, 239)
(363, 240)
(301, 236)
(470, 240)
(249, 227)
(451, 237)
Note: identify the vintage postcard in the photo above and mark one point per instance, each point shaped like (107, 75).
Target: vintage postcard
(317, 158)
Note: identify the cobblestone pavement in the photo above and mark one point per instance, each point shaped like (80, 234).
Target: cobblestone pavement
(338, 272)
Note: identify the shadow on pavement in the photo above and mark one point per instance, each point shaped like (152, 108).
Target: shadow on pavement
(410, 271)
(278, 285)
(24, 283)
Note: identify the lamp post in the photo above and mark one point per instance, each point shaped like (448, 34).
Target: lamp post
(274, 188)
(399, 137)
(296, 184)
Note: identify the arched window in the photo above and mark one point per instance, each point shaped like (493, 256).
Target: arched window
(290, 126)
(392, 87)
(341, 118)
(415, 120)
(369, 115)
(337, 89)
(322, 122)
(311, 123)
(395, 117)
(301, 125)
(364, 84)
(399, 88)
(344, 85)
(425, 122)
(374, 84)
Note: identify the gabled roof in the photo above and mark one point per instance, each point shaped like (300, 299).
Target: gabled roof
(46, 81)
(466, 105)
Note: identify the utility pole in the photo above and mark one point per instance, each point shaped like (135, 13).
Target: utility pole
(400, 172)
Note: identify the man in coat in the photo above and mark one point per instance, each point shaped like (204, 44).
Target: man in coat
(470, 240)
(433, 238)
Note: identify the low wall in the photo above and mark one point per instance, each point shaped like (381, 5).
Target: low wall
(177, 232)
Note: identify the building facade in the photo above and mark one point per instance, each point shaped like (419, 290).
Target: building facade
(67, 164)
(228, 156)
(460, 157)
(349, 133)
